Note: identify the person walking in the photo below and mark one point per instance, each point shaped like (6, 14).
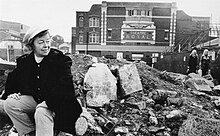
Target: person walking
(39, 92)
(205, 63)
(192, 62)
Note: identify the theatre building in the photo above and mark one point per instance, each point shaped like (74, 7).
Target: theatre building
(129, 30)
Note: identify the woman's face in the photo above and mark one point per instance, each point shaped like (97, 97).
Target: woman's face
(194, 53)
(206, 53)
(42, 45)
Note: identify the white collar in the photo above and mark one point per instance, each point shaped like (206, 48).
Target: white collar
(38, 59)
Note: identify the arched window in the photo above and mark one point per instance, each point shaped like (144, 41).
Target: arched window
(94, 22)
(130, 12)
(81, 21)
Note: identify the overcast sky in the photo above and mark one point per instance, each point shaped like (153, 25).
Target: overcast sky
(59, 15)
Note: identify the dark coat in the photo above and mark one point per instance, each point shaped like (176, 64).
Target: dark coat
(205, 64)
(50, 81)
(192, 64)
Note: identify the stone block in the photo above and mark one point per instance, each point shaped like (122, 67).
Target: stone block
(100, 85)
(129, 79)
(198, 84)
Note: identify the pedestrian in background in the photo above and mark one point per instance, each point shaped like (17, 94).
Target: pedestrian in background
(205, 63)
(39, 92)
(192, 62)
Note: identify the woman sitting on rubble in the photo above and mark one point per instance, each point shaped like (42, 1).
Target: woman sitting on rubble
(193, 62)
(39, 93)
(205, 63)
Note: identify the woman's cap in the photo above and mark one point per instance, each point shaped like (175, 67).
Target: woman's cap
(33, 32)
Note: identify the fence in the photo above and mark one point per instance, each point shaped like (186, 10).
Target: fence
(177, 62)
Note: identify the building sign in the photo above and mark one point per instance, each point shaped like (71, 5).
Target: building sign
(138, 35)
(137, 56)
(138, 31)
(119, 55)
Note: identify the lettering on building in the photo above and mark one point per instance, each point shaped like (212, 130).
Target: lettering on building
(138, 35)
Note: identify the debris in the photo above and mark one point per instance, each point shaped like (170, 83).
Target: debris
(121, 130)
(129, 79)
(195, 126)
(140, 100)
(174, 113)
(100, 85)
(153, 120)
(155, 129)
(198, 84)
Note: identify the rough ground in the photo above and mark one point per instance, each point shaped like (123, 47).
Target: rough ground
(158, 110)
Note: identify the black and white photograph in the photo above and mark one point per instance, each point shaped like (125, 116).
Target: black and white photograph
(110, 68)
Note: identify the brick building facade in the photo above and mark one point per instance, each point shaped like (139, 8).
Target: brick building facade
(130, 30)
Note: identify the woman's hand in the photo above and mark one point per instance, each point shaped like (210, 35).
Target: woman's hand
(15, 96)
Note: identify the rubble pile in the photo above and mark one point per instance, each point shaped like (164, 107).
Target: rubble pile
(134, 99)
(5, 123)
(161, 107)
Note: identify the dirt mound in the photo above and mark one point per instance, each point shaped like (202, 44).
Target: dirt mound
(159, 109)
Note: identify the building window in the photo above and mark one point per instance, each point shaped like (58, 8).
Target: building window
(184, 58)
(148, 13)
(166, 35)
(93, 38)
(10, 47)
(130, 12)
(81, 21)
(155, 55)
(109, 33)
(94, 22)
(143, 12)
(154, 60)
(138, 12)
(80, 38)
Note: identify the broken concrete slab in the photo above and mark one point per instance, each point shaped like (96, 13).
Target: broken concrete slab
(198, 84)
(100, 84)
(129, 79)
(209, 82)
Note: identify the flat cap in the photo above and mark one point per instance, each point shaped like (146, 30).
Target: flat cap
(33, 32)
